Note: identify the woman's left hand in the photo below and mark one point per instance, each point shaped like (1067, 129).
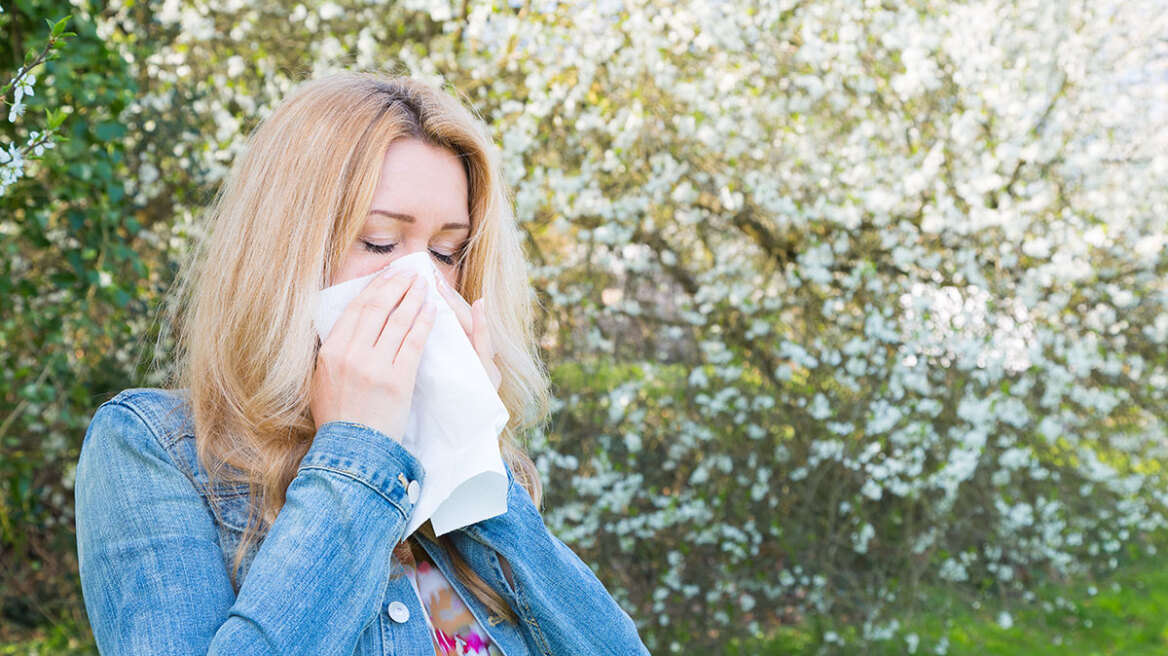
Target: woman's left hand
(474, 323)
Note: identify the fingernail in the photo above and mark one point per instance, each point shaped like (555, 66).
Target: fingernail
(388, 273)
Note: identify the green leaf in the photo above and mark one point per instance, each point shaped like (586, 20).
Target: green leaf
(76, 219)
(74, 258)
(60, 26)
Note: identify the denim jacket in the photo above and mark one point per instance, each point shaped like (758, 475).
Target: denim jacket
(154, 559)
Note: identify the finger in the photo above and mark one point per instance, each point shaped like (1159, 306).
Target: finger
(389, 289)
(458, 304)
(377, 309)
(482, 338)
(414, 343)
(398, 323)
(451, 292)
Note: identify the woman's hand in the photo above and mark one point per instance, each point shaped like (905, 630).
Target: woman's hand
(474, 323)
(366, 367)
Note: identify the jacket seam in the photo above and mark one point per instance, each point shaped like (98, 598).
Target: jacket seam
(126, 398)
(362, 481)
(173, 461)
(539, 633)
(529, 618)
(375, 436)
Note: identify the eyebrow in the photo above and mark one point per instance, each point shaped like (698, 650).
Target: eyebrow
(409, 218)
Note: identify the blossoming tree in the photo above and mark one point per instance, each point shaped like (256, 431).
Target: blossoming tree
(884, 281)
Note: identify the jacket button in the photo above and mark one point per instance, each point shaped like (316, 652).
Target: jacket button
(413, 490)
(399, 612)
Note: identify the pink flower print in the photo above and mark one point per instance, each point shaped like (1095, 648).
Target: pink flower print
(475, 643)
(445, 641)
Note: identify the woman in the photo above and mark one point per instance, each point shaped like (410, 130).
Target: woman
(260, 506)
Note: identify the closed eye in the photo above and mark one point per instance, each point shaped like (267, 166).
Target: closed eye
(378, 248)
(382, 249)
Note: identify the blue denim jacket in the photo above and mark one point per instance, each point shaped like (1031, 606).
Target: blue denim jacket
(154, 559)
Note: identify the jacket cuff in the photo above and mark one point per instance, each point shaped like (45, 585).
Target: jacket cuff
(368, 456)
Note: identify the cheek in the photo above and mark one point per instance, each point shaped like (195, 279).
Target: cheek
(359, 263)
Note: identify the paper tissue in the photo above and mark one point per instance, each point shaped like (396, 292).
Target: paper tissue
(456, 415)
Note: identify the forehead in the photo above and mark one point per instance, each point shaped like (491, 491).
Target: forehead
(422, 181)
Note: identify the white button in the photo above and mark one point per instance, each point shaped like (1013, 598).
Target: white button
(413, 490)
(399, 612)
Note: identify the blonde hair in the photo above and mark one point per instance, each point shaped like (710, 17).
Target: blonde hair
(277, 231)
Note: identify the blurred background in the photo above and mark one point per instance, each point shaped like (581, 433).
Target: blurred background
(856, 310)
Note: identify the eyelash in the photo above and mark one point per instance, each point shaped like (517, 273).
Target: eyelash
(386, 248)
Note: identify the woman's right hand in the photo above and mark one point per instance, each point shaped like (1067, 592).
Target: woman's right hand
(365, 368)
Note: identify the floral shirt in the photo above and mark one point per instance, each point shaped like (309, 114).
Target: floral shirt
(456, 631)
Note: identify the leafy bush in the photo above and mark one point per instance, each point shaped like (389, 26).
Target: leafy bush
(845, 299)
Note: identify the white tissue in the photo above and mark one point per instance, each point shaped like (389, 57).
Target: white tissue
(456, 415)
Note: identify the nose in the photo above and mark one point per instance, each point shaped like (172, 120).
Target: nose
(409, 248)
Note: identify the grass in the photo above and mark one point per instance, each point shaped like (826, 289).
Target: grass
(61, 640)
(1124, 615)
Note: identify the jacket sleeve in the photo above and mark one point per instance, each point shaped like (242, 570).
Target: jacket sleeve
(152, 571)
(564, 607)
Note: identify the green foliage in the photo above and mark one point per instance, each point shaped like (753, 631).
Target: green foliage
(759, 260)
(70, 277)
(635, 506)
(66, 638)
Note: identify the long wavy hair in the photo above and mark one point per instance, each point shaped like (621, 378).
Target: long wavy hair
(278, 228)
